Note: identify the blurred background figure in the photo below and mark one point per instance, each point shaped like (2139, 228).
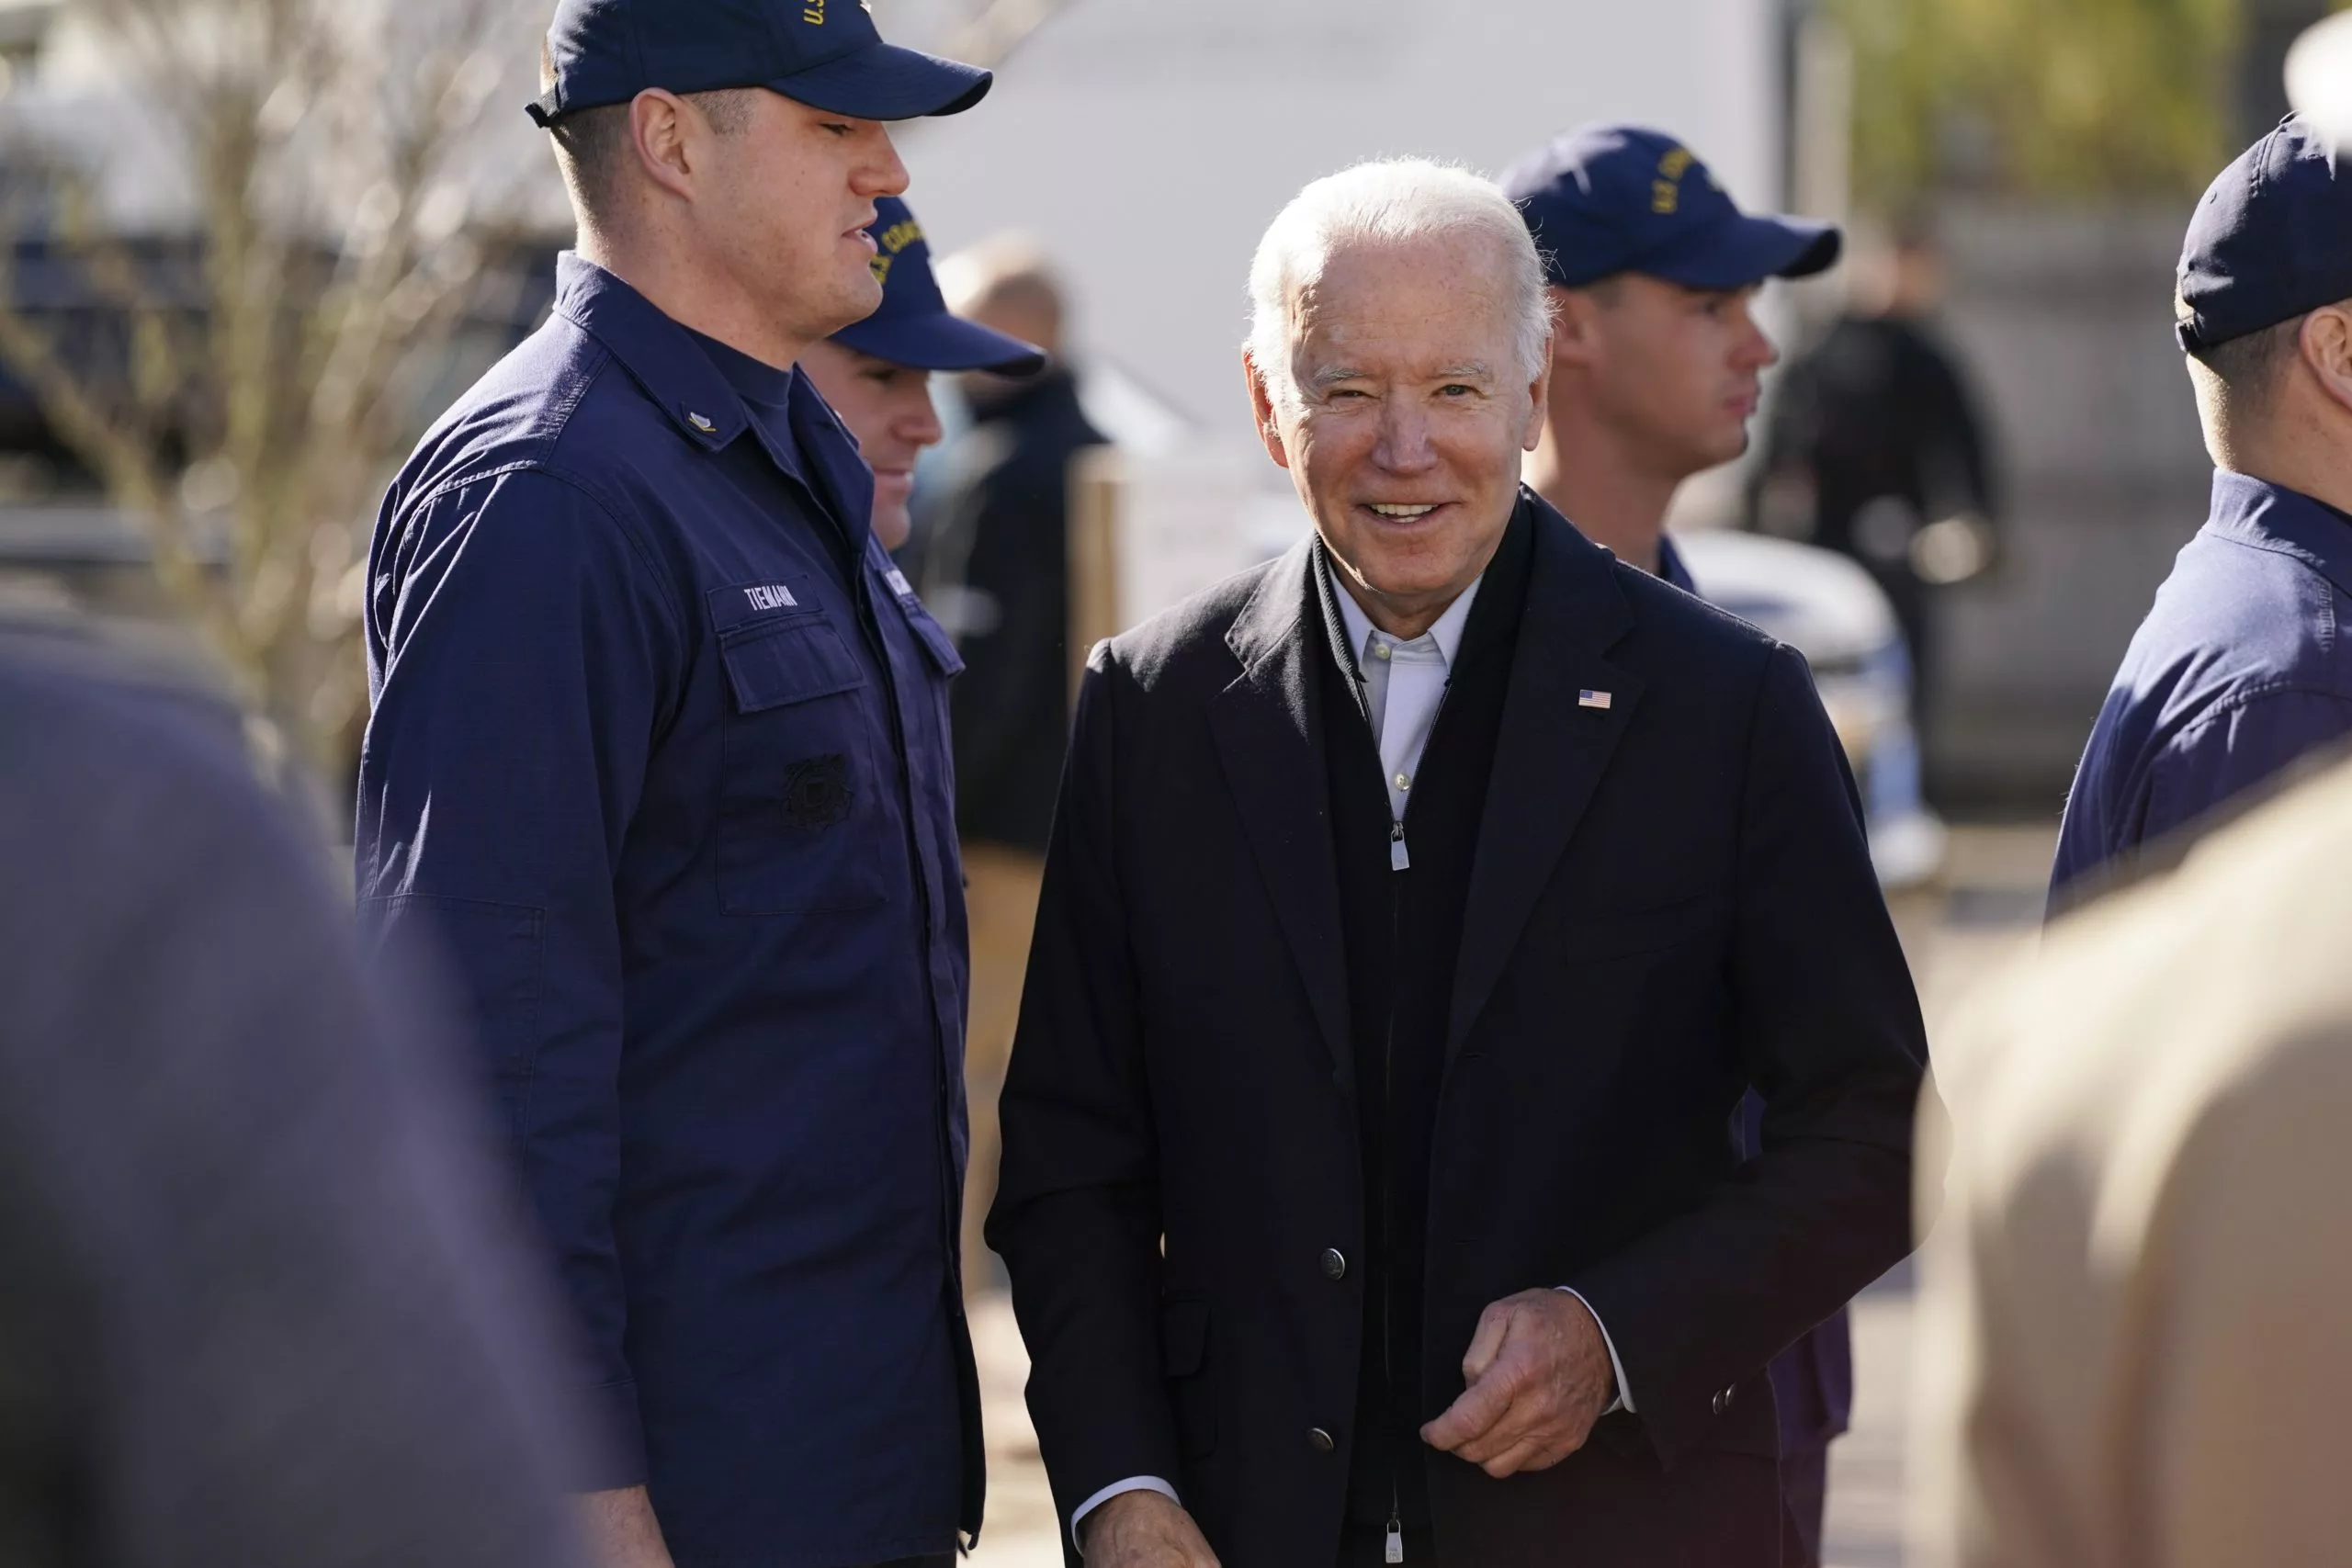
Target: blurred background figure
(2131, 1345)
(997, 559)
(1875, 447)
(2239, 670)
(263, 1301)
(877, 374)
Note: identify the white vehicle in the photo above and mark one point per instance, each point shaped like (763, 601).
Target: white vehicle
(1827, 608)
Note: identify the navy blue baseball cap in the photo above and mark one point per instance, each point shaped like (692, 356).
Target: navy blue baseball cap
(824, 53)
(1611, 198)
(914, 326)
(2271, 240)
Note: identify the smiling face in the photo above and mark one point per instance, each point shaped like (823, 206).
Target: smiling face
(887, 407)
(1674, 372)
(786, 202)
(1411, 415)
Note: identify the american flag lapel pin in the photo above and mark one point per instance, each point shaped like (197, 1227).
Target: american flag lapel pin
(1592, 700)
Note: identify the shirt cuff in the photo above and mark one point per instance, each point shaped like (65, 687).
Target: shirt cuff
(1132, 1484)
(1624, 1399)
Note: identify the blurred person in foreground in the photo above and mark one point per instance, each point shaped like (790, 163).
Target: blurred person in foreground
(1419, 907)
(2240, 666)
(659, 752)
(875, 374)
(1656, 359)
(999, 551)
(264, 1299)
(1875, 447)
(2129, 1343)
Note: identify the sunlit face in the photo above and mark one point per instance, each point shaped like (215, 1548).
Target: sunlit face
(887, 407)
(1675, 371)
(792, 193)
(1412, 416)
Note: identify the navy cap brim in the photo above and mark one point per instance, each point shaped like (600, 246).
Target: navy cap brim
(884, 82)
(1743, 251)
(936, 341)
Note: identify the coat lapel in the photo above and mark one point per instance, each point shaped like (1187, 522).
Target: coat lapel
(1555, 745)
(1268, 731)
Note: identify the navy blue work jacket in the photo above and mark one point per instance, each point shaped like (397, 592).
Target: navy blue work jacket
(2240, 668)
(659, 752)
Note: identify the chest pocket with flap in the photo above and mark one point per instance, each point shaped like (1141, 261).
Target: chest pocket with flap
(799, 809)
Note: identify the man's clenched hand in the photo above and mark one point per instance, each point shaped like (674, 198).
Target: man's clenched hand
(1539, 1377)
(1143, 1529)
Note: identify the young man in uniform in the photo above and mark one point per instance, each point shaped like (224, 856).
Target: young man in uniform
(1656, 361)
(2239, 670)
(660, 754)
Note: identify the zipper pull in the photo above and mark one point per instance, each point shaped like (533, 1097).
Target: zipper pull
(1396, 1538)
(1397, 860)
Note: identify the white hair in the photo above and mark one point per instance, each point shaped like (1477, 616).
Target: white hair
(1388, 201)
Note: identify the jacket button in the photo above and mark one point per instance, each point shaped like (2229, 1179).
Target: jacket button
(1335, 1264)
(1724, 1399)
(1321, 1441)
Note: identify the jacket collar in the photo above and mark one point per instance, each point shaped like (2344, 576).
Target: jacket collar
(2271, 517)
(678, 374)
(1563, 710)
(657, 352)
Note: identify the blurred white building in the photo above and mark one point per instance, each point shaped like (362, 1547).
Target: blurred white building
(1147, 144)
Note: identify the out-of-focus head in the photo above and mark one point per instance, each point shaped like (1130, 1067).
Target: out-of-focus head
(2264, 308)
(876, 372)
(745, 137)
(1898, 272)
(1655, 272)
(1397, 357)
(1005, 283)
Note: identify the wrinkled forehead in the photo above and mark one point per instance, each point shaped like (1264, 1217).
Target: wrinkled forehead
(1436, 302)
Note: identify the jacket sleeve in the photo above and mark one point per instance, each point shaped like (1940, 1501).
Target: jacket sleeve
(1076, 1214)
(523, 654)
(1830, 1027)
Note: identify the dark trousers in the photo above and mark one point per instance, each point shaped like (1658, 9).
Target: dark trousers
(1366, 1546)
(1805, 1493)
(945, 1559)
(1804, 1489)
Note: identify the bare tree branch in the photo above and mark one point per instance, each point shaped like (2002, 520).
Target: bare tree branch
(282, 344)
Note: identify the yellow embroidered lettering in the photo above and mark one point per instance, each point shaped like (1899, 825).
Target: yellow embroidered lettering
(1663, 197)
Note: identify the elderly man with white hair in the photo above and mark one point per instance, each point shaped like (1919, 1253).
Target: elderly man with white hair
(1419, 908)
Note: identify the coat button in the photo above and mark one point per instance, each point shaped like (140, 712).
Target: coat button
(1724, 1399)
(1335, 1265)
(1321, 1441)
